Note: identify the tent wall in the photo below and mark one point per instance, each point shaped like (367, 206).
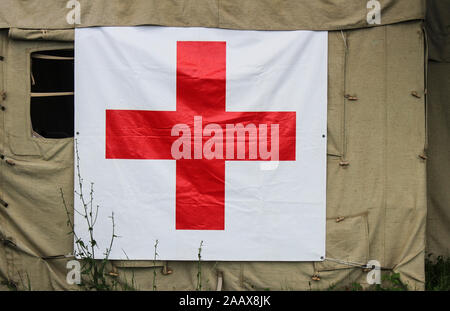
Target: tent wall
(438, 102)
(235, 14)
(376, 190)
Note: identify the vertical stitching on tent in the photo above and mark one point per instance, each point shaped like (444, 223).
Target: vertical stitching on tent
(3, 51)
(2, 89)
(385, 170)
(2, 123)
(344, 117)
(29, 69)
(2, 148)
(425, 83)
(218, 13)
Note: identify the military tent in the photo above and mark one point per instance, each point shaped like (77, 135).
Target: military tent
(388, 137)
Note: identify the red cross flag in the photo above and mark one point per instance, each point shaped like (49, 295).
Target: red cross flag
(194, 134)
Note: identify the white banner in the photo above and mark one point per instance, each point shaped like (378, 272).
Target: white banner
(195, 134)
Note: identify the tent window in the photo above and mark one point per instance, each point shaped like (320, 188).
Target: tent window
(52, 93)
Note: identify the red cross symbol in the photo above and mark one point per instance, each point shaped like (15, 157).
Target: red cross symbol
(200, 91)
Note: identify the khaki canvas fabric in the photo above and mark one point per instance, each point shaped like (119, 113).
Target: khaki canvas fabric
(438, 103)
(438, 28)
(376, 172)
(36, 227)
(235, 14)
